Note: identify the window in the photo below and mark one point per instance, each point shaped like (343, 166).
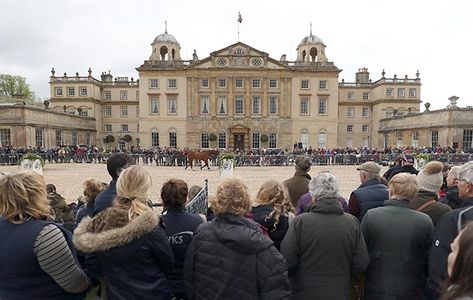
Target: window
(322, 139)
(154, 138)
(386, 140)
(172, 104)
(71, 91)
(107, 95)
(273, 140)
(467, 139)
(415, 139)
(256, 83)
(256, 140)
(204, 83)
(222, 105)
(304, 84)
(273, 105)
(123, 95)
(154, 105)
(398, 139)
(304, 139)
(172, 83)
(84, 113)
(222, 83)
(108, 111)
(153, 83)
(124, 127)
(350, 112)
(351, 96)
(366, 112)
(121, 145)
(304, 109)
(74, 138)
(401, 93)
(82, 91)
(124, 111)
(323, 85)
(172, 139)
(204, 140)
(204, 105)
(222, 140)
(5, 137)
(256, 107)
(412, 93)
(366, 95)
(323, 106)
(390, 92)
(58, 91)
(239, 105)
(349, 128)
(238, 83)
(364, 128)
(273, 83)
(58, 137)
(108, 127)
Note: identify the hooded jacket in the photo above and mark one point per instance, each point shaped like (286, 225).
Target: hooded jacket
(134, 256)
(229, 258)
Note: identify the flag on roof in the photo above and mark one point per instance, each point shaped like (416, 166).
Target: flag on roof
(239, 18)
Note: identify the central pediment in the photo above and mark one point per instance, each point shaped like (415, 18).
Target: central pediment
(239, 55)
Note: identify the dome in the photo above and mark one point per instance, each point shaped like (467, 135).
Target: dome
(165, 38)
(311, 39)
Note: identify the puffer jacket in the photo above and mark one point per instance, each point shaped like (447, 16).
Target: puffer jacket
(229, 258)
(134, 257)
(276, 232)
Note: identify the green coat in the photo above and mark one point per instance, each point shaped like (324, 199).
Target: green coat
(398, 240)
(297, 186)
(63, 213)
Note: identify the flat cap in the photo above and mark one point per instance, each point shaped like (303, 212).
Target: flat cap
(370, 167)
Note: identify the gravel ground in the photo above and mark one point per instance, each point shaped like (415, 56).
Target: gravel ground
(68, 178)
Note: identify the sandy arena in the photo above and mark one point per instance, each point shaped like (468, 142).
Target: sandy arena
(68, 178)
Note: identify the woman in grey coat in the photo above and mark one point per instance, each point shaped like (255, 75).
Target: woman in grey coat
(324, 248)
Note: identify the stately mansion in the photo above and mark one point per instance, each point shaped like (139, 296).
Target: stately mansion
(244, 98)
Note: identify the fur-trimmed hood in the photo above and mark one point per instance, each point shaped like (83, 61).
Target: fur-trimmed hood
(99, 234)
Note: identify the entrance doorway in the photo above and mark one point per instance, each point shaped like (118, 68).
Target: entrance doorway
(239, 141)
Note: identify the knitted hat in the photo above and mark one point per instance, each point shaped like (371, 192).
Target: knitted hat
(430, 178)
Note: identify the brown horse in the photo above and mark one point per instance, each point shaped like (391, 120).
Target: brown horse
(200, 155)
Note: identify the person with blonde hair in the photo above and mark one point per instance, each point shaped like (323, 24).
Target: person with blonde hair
(324, 247)
(37, 259)
(133, 251)
(398, 240)
(92, 188)
(229, 257)
(273, 210)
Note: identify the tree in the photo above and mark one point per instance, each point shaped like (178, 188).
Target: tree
(11, 85)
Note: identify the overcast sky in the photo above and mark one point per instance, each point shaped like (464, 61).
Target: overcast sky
(402, 36)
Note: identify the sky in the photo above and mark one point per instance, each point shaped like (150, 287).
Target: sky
(399, 36)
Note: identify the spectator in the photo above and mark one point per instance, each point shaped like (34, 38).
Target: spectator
(448, 228)
(398, 240)
(451, 196)
(62, 212)
(395, 168)
(193, 191)
(37, 258)
(430, 181)
(407, 167)
(133, 253)
(229, 258)
(115, 165)
(273, 210)
(92, 188)
(460, 263)
(446, 168)
(297, 185)
(179, 227)
(324, 248)
(371, 193)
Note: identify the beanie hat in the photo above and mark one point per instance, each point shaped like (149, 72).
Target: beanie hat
(303, 163)
(430, 178)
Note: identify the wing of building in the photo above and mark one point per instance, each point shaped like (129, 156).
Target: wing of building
(240, 97)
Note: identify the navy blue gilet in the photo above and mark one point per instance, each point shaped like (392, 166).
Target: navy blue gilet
(371, 194)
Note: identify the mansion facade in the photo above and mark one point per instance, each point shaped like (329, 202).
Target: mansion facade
(241, 96)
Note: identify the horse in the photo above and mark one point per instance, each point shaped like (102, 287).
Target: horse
(200, 155)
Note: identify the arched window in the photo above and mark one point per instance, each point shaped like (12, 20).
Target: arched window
(163, 52)
(313, 54)
(172, 138)
(322, 139)
(304, 139)
(155, 138)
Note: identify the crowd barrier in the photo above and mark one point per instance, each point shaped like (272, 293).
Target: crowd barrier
(241, 160)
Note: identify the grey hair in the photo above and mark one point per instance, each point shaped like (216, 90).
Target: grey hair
(466, 172)
(324, 185)
(371, 176)
(454, 171)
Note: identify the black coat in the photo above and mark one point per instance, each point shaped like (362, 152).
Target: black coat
(324, 248)
(229, 258)
(276, 233)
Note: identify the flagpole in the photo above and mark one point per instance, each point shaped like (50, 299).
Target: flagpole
(238, 31)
